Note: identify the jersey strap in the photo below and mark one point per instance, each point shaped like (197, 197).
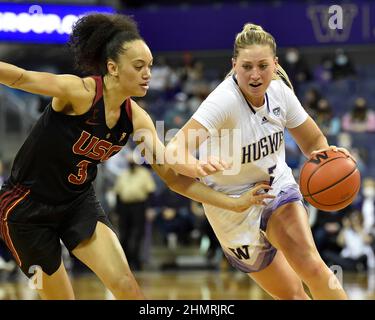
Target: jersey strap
(99, 88)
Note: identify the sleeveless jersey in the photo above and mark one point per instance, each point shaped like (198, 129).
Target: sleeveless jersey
(58, 161)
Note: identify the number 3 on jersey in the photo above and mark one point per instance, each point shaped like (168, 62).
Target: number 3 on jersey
(82, 173)
(270, 172)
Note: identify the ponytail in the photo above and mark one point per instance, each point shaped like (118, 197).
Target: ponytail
(281, 74)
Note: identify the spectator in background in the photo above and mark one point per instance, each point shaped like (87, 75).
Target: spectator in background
(360, 119)
(355, 241)
(368, 206)
(323, 72)
(164, 80)
(133, 188)
(311, 99)
(345, 246)
(178, 113)
(326, 120)
(160, 75)
(175, 221)
(192, 76)
(296, 67)
(342, 65)
(325, 230)
(360, 154)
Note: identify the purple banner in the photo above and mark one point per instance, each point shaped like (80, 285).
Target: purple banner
(292, 24)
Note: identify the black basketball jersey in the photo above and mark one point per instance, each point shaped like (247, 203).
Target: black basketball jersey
(58, 161)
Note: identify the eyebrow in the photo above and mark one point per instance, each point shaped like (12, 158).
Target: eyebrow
(143, 61)
(262, 60)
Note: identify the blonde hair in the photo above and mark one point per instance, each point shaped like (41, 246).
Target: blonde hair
(253, 34)
(281, 74)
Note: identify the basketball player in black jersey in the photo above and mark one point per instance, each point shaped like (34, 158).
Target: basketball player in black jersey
(49, 196)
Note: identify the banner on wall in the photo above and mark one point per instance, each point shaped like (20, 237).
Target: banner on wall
(291, 23)
(204, 27)
(41, 23)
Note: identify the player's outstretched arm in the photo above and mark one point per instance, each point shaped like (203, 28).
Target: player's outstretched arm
(65, 87)
(153, 150)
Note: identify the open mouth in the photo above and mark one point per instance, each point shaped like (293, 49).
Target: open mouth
(255, 85)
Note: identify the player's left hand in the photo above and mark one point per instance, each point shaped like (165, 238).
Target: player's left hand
(211, 166)
(334, 149)
(256, 196)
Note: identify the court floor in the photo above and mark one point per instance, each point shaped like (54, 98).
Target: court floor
(181, 285)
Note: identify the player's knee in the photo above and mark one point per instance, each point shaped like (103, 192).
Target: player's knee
(295, 293)
(295, 296)
(123, 284)
(313, 268)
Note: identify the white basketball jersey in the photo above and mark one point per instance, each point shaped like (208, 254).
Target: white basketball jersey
(253, 138)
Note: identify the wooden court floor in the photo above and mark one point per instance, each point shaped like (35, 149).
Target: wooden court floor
(181, 285)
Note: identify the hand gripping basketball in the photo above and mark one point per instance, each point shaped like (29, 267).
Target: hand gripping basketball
(330, 180)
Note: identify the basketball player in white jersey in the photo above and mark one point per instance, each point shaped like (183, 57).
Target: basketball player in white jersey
(271, 241)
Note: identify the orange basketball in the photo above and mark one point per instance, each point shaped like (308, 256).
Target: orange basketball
(330, 180)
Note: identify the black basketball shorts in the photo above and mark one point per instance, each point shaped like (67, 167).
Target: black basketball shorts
(32, 230)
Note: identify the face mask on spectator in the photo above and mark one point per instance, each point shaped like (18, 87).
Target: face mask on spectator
(292, 57)
(341, 59)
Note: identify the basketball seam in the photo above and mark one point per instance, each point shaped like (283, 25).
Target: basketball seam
(316, 169)
(335, 204)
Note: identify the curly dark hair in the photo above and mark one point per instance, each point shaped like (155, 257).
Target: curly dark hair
(97, 37)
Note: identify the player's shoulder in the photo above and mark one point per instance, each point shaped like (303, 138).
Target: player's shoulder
(140, 118)
(278, 85)
(279, 90)
(89, 83)
(225, 94)
(137, 109)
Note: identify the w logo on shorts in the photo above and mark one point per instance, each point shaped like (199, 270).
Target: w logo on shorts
(241, 252)
(276, 111)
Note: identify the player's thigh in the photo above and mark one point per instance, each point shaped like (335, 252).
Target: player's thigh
(53, 287)
(103, 254)
(288, 229)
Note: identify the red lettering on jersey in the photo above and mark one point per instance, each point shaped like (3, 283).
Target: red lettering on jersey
(94, 148)
(77, 147)
(99, 150)
(111, 151)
